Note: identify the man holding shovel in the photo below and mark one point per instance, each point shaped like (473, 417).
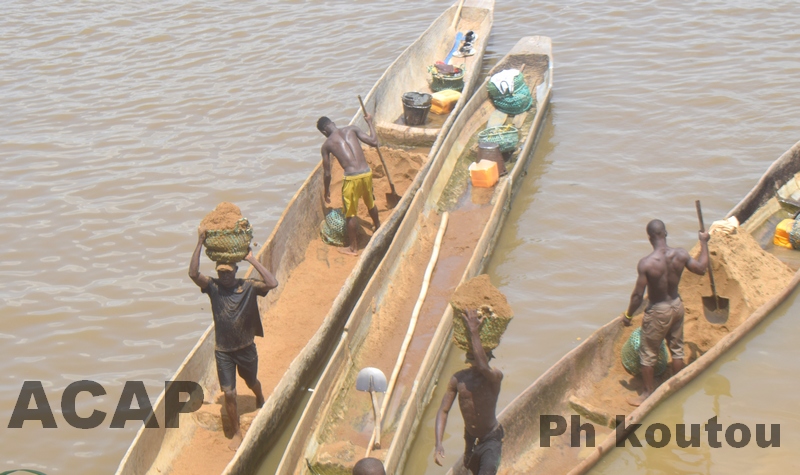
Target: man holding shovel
(660, 273)
(237, 321)
(345, 145)
(477, 388)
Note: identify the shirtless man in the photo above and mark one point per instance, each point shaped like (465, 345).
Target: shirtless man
(477, 388)
(660, 272)
(345, 146)
(234, 305)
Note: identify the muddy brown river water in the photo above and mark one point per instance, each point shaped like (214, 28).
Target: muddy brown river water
(124, 123)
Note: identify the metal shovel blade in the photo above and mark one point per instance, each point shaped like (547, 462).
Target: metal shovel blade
(716, 309)
(371, 379)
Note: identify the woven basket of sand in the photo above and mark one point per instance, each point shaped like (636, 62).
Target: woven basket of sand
(228, 234)
(479, 293)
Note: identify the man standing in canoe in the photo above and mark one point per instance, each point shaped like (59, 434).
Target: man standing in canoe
(660, 273)
(234, 305)
(345, 146)
(477, 388)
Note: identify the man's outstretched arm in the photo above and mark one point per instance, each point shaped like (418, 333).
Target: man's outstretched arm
(473, 324)
(372, 138)
(637, 296)
(194, 265)
(326, 171)
(700, 265)
(441, 418)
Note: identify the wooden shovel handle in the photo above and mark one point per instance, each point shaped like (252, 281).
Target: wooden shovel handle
(378, 148)
(710, 272)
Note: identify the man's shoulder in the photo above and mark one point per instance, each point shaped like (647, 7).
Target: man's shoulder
(679, 253)
(212, 285)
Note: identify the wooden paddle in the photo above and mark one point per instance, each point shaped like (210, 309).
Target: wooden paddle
(392, 198)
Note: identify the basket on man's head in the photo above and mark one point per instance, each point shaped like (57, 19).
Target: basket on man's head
(492, 306)
(228, 234)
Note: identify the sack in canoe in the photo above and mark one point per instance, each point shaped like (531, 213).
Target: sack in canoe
(332, 229)
(509, 93)
(630, 355)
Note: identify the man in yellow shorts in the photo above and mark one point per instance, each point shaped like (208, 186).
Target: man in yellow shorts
(345, 145)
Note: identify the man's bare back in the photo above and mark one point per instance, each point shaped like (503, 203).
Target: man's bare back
(663, 269)
(660, 271)
(345, 144)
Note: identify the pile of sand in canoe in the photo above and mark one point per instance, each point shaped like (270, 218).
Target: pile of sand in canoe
(743, 273)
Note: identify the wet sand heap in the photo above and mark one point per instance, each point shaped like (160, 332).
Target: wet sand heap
(479, 293)
(743, 273)
(224, 216)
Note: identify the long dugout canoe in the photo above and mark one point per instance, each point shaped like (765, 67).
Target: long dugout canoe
(292, 250)
(335, 428)
(566, 387)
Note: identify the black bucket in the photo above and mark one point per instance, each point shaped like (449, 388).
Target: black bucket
(415, 107)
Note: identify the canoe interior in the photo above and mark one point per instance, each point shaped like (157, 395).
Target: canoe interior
(335, 429)
(387, 100)
(293, 250)
(584, 382)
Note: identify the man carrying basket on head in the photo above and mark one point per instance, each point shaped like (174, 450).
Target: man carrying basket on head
(477, 388)
(234, 305)
(345, 146)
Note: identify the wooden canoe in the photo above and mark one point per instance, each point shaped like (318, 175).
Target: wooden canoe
(291, 252)
(572, 385)
(335, 428)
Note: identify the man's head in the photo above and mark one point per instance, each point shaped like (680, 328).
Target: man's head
(325, 125)
(369, 466)
(656, 230)
(470, 358)
(227, 274)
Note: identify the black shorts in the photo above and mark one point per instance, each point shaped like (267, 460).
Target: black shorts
(482, 457)
(246, 359)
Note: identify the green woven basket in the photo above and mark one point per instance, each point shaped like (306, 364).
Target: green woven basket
(794, 235)
(229, 245)
(491, 329)
(440, 82)
(630, 355)
(332, 229)
(512, 103)
(506, 136)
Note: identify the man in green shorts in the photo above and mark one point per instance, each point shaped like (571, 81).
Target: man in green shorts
(237, 321)
(345, 145)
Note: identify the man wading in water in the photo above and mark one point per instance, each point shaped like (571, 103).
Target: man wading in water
(477, 388)
(344, 145)
(234, 304)
(660, 272)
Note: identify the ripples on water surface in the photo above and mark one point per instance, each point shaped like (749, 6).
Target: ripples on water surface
(125, 122)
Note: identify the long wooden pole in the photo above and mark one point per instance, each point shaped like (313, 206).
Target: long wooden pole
(458, 14)
(426, 281)
(378, 148)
